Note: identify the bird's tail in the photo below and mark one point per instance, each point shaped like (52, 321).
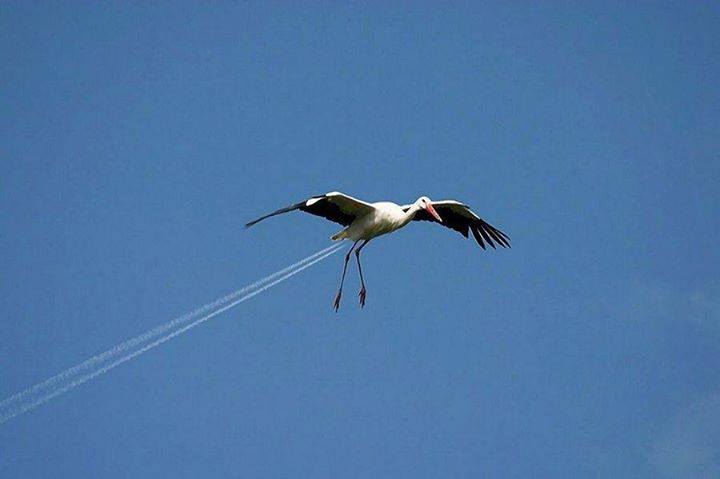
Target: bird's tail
(339, 236)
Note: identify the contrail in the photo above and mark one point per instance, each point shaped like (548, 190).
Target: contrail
(41, 393)
(153, 333)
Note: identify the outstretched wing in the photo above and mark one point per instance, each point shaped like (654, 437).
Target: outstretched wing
(334, 206)
(460, 217)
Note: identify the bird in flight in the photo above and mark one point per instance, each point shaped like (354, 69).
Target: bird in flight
(365, 221)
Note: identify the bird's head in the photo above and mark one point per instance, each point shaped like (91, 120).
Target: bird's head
(426, 203)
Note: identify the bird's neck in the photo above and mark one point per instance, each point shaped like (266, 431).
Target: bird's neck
(410, 213)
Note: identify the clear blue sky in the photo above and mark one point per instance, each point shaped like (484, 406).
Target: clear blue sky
(136, 140)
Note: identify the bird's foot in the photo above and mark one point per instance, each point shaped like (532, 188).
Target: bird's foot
(363, 295)
(336, 304)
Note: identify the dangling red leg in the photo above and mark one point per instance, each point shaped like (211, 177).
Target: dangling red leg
(363, 291)
(336, 304)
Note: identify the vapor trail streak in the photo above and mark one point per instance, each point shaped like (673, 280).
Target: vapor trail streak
(153, 333)
(57, 385)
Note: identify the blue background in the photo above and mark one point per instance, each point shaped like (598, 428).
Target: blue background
(136, 140)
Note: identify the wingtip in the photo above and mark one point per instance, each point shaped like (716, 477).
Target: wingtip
(478, 238)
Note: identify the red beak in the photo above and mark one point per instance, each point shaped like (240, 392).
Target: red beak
(432, 211)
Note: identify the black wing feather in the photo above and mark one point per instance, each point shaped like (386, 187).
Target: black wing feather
(478, 238)
(499, 236)
(288, 209)
(482, 231)
(328, 210)
(486, 236)
(322, 207)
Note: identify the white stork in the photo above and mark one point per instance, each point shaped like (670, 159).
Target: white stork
(365, 221)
